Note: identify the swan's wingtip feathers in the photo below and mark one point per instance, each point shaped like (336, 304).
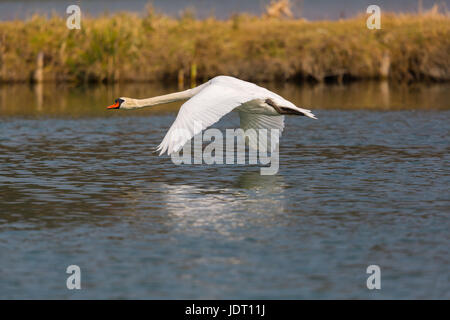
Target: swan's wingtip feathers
(155, 150)
(161, 149)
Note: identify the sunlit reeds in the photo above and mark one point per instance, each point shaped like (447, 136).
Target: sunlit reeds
(128, 47)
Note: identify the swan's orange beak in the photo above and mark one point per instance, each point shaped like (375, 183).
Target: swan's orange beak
(115, 105)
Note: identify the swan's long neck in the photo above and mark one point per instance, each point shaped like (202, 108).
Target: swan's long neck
(167, 98)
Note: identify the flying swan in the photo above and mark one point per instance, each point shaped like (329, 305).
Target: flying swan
(258, 108)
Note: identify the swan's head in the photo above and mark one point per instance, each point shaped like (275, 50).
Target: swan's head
(124, 103)
(118, 103)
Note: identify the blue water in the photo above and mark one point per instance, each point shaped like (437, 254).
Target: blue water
(355, 188)
(318, 9)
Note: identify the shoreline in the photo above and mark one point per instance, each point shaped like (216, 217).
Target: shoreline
(124, 47)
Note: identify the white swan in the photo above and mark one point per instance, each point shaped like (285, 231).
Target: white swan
(258, 108)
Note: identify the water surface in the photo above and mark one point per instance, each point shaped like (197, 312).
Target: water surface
(319, 9)
(365, 184)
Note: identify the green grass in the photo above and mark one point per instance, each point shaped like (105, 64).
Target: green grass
(126, 47)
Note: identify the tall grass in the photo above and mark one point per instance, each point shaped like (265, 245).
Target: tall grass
(126, 47)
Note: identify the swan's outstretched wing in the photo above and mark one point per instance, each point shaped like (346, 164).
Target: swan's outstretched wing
(268, 139)
(201, 111)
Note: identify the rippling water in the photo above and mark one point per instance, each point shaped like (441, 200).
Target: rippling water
(323, 9)
(365, 184)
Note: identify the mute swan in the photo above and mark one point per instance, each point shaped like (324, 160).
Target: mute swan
(258, 108)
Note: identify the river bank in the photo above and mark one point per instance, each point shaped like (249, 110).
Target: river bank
(126, 48)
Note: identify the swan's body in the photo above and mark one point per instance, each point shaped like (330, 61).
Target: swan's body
(258, 108)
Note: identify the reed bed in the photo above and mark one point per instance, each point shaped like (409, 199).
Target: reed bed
(126, 47)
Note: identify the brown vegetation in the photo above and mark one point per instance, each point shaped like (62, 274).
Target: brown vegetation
(126, 47)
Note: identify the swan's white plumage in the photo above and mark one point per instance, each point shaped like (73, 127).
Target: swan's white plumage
(261, 121)
(205, 108)
(209, 102)
(220, 96)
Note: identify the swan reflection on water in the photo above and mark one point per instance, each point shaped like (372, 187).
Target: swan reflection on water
(251, 199)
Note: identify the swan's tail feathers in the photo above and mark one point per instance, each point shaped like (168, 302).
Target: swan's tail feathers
(290, 109)
(309, 114)
(306, 113)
